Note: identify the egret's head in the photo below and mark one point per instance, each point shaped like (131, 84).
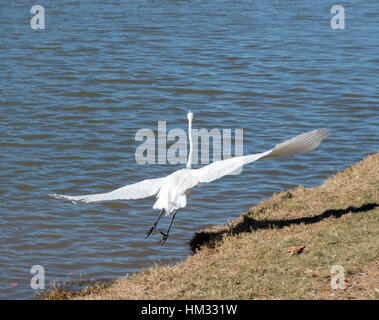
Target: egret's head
(190, 116)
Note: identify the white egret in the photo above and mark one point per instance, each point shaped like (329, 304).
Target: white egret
(173, 190)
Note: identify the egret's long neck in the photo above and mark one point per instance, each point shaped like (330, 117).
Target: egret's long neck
(189, 161)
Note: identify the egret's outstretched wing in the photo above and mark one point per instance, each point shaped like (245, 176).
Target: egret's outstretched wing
(142, 189)
(222, 168)
(297, 145)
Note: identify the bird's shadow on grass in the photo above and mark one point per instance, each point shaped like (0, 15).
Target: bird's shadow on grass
(210, 238)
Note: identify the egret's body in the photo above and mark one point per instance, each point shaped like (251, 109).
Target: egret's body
(173, 190)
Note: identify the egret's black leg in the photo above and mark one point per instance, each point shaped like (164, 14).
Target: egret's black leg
(165, 235)
(152, 229)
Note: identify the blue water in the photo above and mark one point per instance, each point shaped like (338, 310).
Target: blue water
(73, 96)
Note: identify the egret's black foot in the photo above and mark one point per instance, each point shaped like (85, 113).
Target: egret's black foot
(152, 230)
(164, 238)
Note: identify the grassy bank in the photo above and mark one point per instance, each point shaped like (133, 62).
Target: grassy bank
(282, 248)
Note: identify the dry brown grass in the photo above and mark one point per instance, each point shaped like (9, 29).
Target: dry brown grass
(252, 258)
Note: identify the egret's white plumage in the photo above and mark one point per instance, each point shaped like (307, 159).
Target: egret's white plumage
(173, 190)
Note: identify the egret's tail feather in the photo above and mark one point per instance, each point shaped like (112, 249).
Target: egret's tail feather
(298, 145)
